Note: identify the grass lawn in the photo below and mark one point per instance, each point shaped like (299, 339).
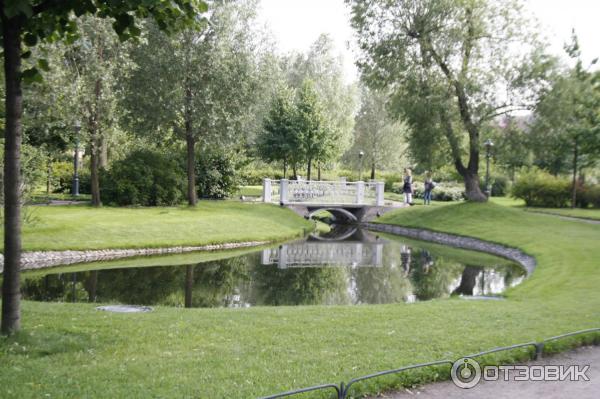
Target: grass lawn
(593, 214)
(73, 351)
(83, 227)
(249, 191)
(589, 213)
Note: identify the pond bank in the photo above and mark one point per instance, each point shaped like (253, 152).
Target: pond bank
(514, 254)
(42, 259)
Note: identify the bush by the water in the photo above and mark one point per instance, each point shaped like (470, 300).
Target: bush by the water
(145, 177)
(218, 173)
(541, 189)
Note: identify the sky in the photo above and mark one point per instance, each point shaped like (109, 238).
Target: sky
(296, 24)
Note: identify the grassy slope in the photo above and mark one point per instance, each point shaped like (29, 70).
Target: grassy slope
(74, 351)
(82, 227)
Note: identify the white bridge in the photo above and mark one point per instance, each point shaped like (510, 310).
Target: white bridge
(349, 201)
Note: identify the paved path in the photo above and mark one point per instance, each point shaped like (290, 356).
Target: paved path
(521, 389)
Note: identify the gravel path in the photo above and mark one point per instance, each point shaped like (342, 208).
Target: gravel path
(521, 389)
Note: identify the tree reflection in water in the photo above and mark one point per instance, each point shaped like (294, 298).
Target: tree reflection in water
(399, 273)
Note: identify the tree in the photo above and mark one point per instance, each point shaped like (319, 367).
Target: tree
(447, 63)
(339, 100)
(316, 137)
(24, 23)
(568, 117)
(194, 86)
(512, 143)
(279, 140)
(376, 134)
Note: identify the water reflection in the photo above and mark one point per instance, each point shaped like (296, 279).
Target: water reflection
(358, 268)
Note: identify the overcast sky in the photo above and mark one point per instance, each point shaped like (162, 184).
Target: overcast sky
(296, 24)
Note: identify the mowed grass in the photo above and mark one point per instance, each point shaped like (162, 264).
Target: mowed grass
(83, 227)
(73, 351)
(593, 214)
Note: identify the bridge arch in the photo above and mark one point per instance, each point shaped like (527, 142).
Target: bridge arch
(341, 213)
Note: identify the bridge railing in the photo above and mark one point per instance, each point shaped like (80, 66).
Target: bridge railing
(323, 192)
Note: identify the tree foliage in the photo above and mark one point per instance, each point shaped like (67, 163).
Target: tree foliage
(23, 24)
(380, 137)
(446, 62)
(195, 86)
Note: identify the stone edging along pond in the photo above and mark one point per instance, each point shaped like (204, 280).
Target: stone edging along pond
(42, 259)
(526, 261)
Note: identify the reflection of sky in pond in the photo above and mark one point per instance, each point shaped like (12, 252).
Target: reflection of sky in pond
(350, 268)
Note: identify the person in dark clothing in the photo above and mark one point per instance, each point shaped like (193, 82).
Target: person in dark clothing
(407, 186)
(428, 187)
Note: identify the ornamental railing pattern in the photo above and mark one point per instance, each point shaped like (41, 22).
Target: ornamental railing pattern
(323, 192)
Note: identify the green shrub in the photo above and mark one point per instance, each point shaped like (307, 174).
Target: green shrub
(253, 176)
(62, 172)
(218, 173)
(448, 191)
(541, 189)
(500, 185)
(591, 195)
(144, 177)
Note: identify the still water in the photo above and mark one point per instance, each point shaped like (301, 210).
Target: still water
(346, 266)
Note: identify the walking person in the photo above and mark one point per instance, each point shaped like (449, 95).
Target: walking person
(407, 187)
(428, 187)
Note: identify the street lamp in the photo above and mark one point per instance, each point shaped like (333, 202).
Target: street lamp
(488, 149)
(75, 185)
(361, 154)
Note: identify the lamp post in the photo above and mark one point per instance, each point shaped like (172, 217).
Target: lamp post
(75, 185)
(361, 154)
(488, 149)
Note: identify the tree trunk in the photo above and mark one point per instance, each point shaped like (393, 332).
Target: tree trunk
(285, 168)
(93, 286)
(11, 295)
(103, 152)
(295, 171)
(95, 146)
(189, 285)
(48, 177)
(308, 167)
(373, 171)
(191, 169)
(574, 188)
(319, 171)
(472, 189)
(467, 281)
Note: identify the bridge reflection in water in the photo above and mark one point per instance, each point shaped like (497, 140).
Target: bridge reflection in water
(320, 253)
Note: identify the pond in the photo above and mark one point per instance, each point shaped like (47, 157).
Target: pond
(346, 266)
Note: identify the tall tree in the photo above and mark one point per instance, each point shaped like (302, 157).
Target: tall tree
(451, 66)
(195, 86)
(324, 67)
(381, 138)
(24, 23)
(568, 116)
(279, 140)
(316, 137)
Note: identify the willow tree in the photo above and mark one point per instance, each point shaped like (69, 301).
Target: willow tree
(452, 66)
(381, 138)
(195, 86)
(24, 23)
